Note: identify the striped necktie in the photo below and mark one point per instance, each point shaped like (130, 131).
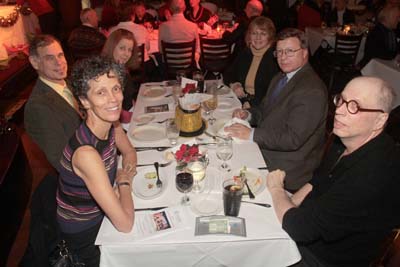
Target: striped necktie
(70, 98)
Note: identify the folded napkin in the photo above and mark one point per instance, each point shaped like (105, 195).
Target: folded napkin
(222, 131)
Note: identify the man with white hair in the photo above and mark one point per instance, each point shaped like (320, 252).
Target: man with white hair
(86, 39)
(341, 217)
(382, 41)
(253, 9)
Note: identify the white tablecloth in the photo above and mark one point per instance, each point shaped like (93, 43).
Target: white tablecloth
(386, 70)
(266, 243)
(315, 36)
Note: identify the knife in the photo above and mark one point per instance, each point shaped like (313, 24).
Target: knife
(158, 148)
(266, 205)
(156, 208)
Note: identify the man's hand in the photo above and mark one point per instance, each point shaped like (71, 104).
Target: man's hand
(240, 113)
(239, 131)
(237, 88)
(275, 180)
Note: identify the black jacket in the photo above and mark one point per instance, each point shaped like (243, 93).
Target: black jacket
(348, 17)
(267, 69)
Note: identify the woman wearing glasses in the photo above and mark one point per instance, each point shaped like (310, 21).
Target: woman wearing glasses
(254, 67)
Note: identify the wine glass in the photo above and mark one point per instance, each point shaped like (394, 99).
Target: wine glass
(184, 183)
(224, 151)
(198, 169)
(211, 104)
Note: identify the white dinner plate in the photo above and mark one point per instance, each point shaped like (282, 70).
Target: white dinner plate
(144, 118)
(145, 188)
(207, 204)
(225, 104)
(148, 133)
(256, 180)
(153, 92)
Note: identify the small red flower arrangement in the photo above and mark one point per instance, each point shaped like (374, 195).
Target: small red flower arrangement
(187, 153)
(189, 88)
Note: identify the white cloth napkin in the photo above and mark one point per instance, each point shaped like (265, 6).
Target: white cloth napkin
(229, 123)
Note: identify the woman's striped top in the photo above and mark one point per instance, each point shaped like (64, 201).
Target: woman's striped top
(76, 209)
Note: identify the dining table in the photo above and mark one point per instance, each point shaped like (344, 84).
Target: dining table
(388, 70)
(317, 35)
(265, 243)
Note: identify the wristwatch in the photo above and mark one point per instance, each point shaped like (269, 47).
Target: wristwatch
(123, 183)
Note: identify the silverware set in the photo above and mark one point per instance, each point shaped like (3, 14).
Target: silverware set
(147, 122)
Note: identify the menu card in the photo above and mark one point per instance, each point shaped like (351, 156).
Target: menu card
(218, 224)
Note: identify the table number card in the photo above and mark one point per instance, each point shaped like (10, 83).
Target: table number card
(218, 224)
(157, 108)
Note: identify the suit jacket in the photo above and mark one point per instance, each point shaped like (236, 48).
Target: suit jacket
(237, 72)
(348, 17)
(290, 130)
(50, 121)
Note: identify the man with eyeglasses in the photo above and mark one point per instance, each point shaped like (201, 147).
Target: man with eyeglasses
(341, 217)
(290, 121)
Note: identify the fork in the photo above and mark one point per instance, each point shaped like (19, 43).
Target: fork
(158, 183)
(161, 165)
(144, 123)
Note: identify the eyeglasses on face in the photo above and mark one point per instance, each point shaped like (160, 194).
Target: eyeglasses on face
(352, 106)
(287, 52)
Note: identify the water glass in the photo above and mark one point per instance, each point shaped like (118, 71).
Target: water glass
(232, 196)
(212, 103)
(172, 131)
(225, 151)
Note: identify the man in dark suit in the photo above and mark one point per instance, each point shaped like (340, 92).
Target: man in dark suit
(290, 121)
(340, 15)
(51, 114)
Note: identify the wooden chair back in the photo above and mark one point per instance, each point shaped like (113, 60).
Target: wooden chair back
(178, 56)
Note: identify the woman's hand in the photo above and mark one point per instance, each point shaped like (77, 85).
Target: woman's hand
(123, 176)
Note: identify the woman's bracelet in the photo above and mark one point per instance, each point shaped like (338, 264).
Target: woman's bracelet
(123, 183)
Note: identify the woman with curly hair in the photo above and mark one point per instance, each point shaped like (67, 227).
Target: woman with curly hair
(88, 169)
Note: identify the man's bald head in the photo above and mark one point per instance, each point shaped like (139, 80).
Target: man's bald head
(253, 8)
(177, 6)
(377, 90)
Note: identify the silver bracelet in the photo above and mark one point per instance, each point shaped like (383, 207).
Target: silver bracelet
(123, 183)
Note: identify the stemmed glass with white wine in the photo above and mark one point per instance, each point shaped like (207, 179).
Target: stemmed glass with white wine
(225, 151)
(198, 169)
(211, 104)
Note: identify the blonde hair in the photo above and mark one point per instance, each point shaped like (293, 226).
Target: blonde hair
(264, 24)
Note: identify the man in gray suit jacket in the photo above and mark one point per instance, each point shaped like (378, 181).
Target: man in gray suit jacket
(290, 121)
(51, 117)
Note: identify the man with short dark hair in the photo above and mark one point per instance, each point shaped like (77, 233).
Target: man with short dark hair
(290, 121)
(51, 113)
(349, 207)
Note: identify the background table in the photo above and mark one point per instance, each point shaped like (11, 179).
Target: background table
(315, 35)
(387, 70)
(15, 35)
(266, 243)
